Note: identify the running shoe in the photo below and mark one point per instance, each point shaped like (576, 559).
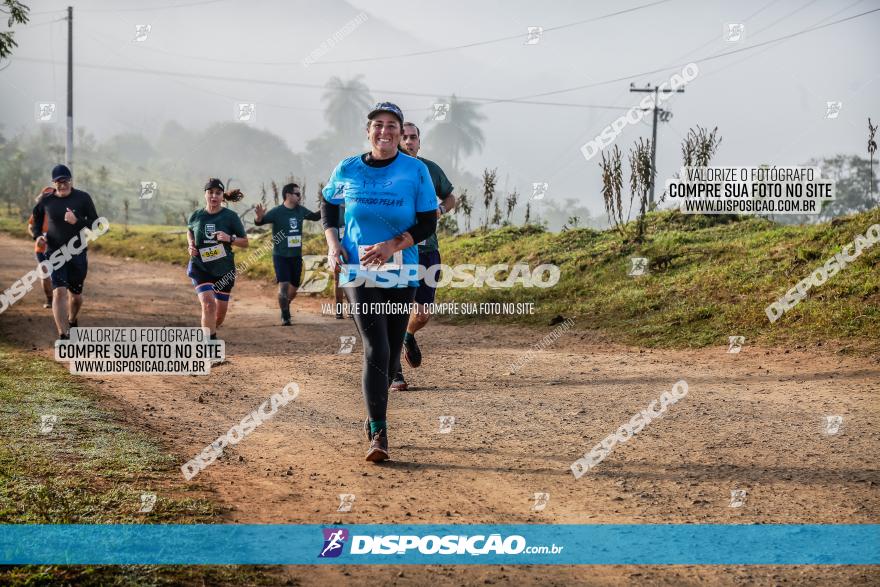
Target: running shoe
(339, 316)
(48, 304)
(411, 352)
(378, 447)
(73, 323)
(63, 337)
(399, 383)
(286, 322)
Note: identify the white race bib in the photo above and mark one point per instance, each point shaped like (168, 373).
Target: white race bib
(208, 254)
(294, 241)
(395, 263)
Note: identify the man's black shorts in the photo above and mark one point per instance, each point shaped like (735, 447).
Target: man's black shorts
(425, 292)
(288, 269)
(72, 274)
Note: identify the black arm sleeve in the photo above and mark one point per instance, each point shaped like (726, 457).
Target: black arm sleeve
(90, 213)
(39, 214)
(425, 226)
(314, 215)
(329, 214)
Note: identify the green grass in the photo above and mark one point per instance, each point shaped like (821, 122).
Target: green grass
(90, 469)
(719, 279)
(721, 274)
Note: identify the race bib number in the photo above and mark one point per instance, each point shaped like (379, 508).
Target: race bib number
(209, 254)
(294, 241)
(395, 263)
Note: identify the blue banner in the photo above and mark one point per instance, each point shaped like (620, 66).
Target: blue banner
(534, 544)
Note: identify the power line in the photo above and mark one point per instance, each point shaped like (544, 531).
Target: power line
(148, 8)
(491, 41)
(313, 86)
(486, 101)
(403, 55)
(709, 58)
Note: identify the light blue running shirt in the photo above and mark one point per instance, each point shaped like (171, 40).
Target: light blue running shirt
(380, 203)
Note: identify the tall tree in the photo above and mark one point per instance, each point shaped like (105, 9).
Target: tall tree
(346, 105)
(18, 14)
(460, 134)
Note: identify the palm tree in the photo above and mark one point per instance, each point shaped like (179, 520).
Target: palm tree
(460, 134)
(347, 103)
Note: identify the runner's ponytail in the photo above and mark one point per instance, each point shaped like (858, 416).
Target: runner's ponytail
(233, 195)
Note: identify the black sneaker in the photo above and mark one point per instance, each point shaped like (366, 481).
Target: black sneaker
(73, 323)
(398, 383)
(378, 447)
(339, 316)
(63, 337)
(286, 322)
(411, 352)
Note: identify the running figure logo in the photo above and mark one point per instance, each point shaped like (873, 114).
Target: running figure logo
(534, 35)
(148, 190)
(346, 345)
(639, 266)
(334, 541)
(539, 190)
(47, 423)
(246, 112)
(734, 32)
(735, 343)
(148, 500)
(831, 425)
(738, 498)
(541, 501)
(141, 32)
(315, 276)
(346, 500)
(446, 424)
(832, 109)
(441, 112)
(46, 112)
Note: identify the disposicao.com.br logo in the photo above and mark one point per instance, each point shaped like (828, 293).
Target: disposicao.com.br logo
(476, 545)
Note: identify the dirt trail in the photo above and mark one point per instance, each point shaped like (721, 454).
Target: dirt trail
(750, 421)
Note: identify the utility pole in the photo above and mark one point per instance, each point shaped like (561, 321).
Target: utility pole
(68, 151)
(656, 91)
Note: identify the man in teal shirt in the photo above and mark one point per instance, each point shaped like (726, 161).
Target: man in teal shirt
(429, 255)
(287, 223)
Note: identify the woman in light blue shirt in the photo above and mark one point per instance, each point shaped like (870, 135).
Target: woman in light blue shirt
(390, 205)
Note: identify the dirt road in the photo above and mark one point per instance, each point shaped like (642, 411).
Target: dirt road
(751, 421)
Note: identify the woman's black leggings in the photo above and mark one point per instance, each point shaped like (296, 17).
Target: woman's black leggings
(382, 336)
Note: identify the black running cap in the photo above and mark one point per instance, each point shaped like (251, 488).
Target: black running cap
(214, 183)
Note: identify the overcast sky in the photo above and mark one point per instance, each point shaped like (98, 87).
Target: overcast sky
(769, 103)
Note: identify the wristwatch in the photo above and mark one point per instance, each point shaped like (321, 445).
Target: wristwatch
(231, 238)
(442, 209)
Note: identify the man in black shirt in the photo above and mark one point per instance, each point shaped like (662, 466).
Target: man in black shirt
(68, 211)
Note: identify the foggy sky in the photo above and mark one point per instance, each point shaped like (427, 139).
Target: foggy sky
(769, 103)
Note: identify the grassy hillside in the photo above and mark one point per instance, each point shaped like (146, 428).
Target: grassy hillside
(713, 280)
(718, 280)
(89, 469)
